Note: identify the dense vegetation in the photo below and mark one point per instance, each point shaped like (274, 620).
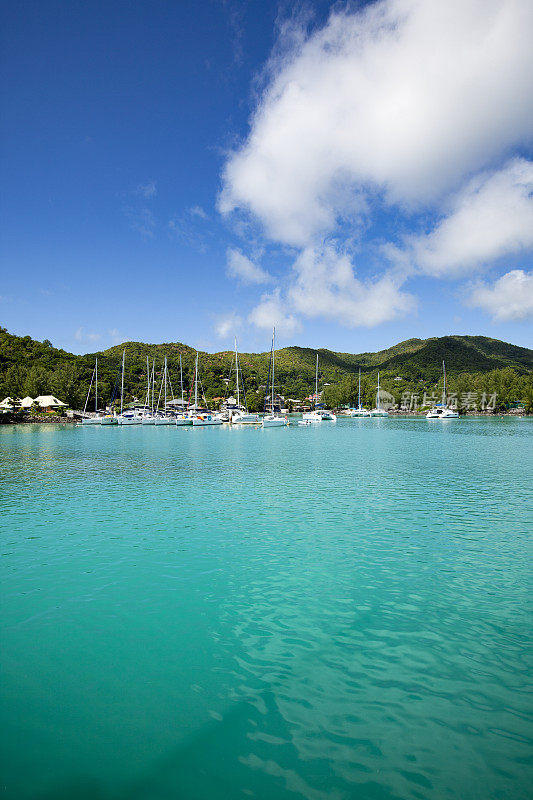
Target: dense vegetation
(475, 364)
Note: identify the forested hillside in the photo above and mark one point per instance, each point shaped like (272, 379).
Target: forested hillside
(29, 367)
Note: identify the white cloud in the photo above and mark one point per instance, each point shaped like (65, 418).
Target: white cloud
(404, 97)
(82, 336)
(508, 298)
(147, 190)
(326, 286)
(491, 217)
(273, 312)
(227, 325)
(242, 268)
(198, 211)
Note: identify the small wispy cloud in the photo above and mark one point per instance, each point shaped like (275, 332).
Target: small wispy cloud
(143, 221)
(244, 269)
(198, 211)
(82, 335)
(227, 325)
(147, 190)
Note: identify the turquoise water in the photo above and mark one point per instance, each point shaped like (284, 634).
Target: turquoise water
(341, 611)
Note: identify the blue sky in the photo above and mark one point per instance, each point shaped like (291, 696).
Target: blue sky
(356, 174)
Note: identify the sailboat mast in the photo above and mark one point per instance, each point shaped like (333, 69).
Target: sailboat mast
(237, 373)
(316, 381)
(96, 387)
(181, 382)
(359, 394)
(122, 384)
(377, 397)
(273, 351)
(165, 384)
(444, 375)
(196, 382)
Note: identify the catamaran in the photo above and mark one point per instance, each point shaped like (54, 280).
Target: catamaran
(126, 417)
(202, 416)
(98, 419)
(239, 413)
(318, 414)
(273, 420)
(378, 411)
(442, 411)
(359, 411)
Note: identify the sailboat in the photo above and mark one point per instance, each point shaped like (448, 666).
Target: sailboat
(202, 416)
(240, 414)
(318, 414)
(183, 417)
(148, 417)
(106, 419)
(273, 420)
(359, 411)
(163, 419)
(126, 417)
(378, 411)
(442, 411)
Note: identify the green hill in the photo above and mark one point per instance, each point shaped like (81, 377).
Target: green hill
(31, 367)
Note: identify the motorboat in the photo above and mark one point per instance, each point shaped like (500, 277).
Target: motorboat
(319, 415)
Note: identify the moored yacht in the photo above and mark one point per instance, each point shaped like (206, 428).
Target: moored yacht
(274, 419)
(441, 410)
(100, 417)
(318, 414)
(202, 416)
(378, 411)
(359, 411)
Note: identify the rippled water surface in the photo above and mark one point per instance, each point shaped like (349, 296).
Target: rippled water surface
(341, 611)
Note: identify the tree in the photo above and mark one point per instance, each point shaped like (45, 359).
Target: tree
(37, 381)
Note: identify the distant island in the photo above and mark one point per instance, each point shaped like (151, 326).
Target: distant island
(475, 365)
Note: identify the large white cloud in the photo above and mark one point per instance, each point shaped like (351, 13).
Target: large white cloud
(326, 286)
(491, 217)
(508, 298)
(407, 97)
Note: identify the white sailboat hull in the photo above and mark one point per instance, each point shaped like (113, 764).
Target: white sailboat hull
(183, 421)
(205, 419)
(274, 422)
(442, 413)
